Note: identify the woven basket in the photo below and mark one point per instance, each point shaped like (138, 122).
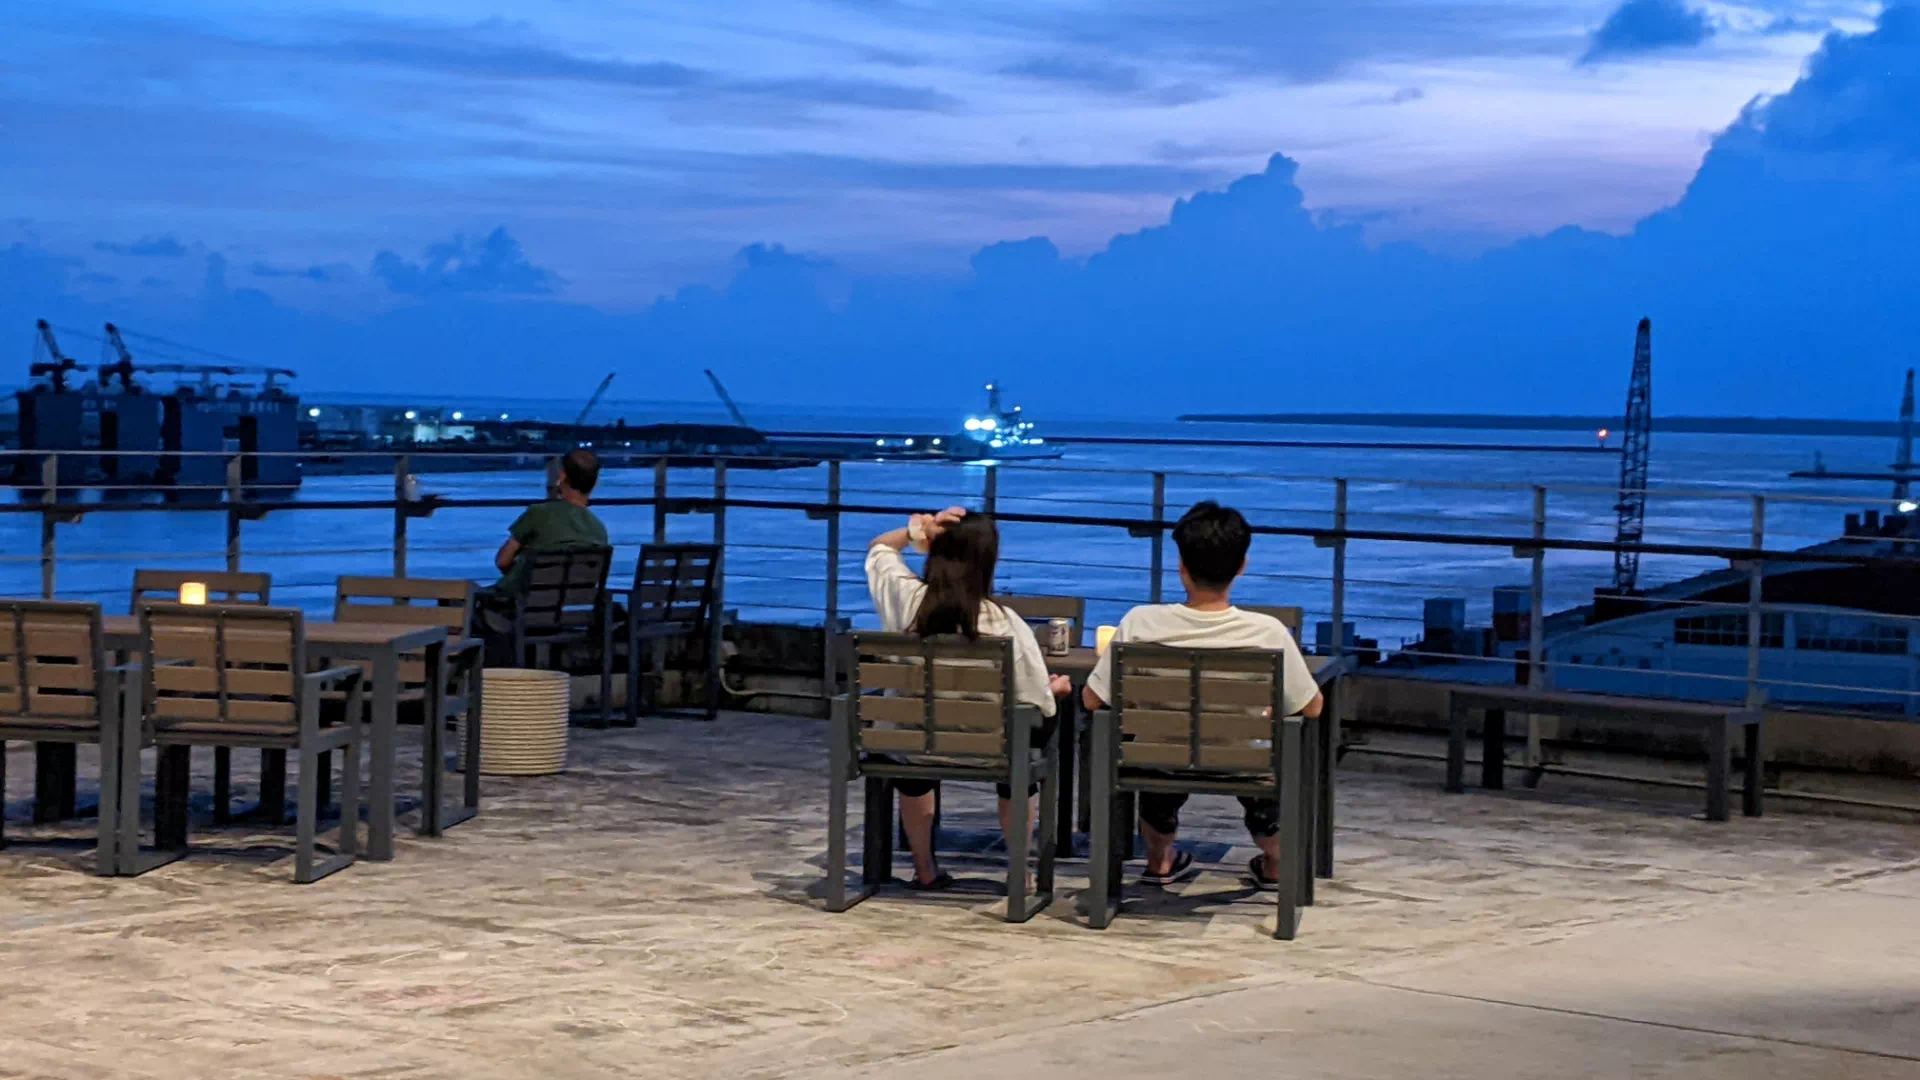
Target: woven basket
(523, 723)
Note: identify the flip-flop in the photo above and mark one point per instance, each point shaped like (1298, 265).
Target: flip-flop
(1182, 869)
(1260, 881)
(941, 882)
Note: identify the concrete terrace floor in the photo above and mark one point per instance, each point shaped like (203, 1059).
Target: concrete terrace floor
(653, 912)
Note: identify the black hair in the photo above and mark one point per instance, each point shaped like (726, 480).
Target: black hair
(582, 470)
(1213, 541)
(959, 578)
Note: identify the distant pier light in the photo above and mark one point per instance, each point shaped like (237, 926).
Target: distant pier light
(459, 415)
(314, 413)
(1602, 435)
(411, 415)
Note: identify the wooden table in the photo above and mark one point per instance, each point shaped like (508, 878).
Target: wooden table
(380, 646)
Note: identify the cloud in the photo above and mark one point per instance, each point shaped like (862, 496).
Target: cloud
(1789, 24)
(1406, 94)
(1644, 26)
(95, 278)
(321, 274)
(494, 264)
(1091, 72)
(150, 247)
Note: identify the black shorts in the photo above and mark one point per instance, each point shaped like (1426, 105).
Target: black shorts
(914, 787)
(1161, 811)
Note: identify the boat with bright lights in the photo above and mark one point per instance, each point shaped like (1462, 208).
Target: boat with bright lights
(999, 434)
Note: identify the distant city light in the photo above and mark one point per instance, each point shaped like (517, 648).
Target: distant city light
(458, 416)
(410, 414)
(909, 442)
(1603, 433)
(315, 413)
(879, 442)
(1037, 441)
(936, 442)
(503, 416)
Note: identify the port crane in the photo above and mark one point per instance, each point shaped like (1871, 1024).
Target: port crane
(1637, 437)
(57, 364)
(727, 399)
(123, 366)
(594, 400)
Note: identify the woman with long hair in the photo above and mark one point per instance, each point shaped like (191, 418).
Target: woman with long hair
(953, 598)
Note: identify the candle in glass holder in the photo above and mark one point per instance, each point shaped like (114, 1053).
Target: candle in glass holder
(193, 592)
(1103, 637)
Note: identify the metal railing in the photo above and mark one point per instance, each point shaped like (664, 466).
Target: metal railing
(820, 494)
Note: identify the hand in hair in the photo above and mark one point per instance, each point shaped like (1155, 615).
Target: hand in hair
(924, 528)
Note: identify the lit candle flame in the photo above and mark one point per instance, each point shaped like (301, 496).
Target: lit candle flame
(193, 592)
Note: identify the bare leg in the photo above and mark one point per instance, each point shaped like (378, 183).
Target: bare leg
(1159, 849)
(1269, 856)
(916, 817)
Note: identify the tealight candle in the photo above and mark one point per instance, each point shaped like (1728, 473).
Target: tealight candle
(193, 592)
(1103, 637)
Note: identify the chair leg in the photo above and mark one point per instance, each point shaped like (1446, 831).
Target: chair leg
(1309, 770)
(472, 775)
(107, 836)
(1292, 858)
(273, 786)
(606, 671)
(1751, 801)
(222, 785)
(1019, 832)
(714, 641)
(170, 799)
(3, 793)
(635, 671)
(350, 802)
(841, 770)
(324, 780)
(1106, 827)
(1049, 830)
(876, 861)
(305, 816)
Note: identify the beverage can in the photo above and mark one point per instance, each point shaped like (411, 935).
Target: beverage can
(1059, 637)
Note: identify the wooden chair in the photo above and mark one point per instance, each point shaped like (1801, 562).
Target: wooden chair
(1038, 609)
(424, 697)
(223, 587)
(949, 714)
(673, 596)
(565, 603)
(56, 688)
(233, 675)
(1190, 720)
(1294, 617)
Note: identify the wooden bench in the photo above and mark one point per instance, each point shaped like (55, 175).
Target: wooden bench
(1716, 721)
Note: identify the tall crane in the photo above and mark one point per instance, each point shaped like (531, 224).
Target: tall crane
(122, 365)
(594, 400)
(726, 399)
(1903, 457)
(1638, 438)
(57, 363)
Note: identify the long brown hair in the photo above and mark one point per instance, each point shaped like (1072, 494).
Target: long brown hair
(959, 578)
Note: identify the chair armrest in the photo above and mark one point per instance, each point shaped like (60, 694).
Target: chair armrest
(1030, 716)
(464, 646)
(349, 674)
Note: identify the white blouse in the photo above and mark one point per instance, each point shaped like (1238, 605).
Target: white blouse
(897, 591)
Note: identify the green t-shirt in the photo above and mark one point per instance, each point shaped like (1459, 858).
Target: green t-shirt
(554, 525)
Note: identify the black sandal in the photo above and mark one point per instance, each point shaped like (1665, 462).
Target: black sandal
(941, 883)
(1255, 873)
(1182, 869)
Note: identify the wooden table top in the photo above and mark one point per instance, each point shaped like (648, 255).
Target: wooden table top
(319, 632)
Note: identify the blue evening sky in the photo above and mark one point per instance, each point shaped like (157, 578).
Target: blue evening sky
(807, 193)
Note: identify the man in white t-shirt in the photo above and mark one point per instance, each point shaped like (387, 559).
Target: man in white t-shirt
(1213, 542)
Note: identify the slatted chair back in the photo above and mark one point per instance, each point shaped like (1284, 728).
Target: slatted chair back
(1198, 710)
(566, 591)
(1294, 618)
(1042, 608)
(51, 660)
(228, 668)
(673, 583)
(944, 696)
(407, 602)
(223, 587)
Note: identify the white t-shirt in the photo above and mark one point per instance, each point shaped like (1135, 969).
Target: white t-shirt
(897, 591)
(1182, 626)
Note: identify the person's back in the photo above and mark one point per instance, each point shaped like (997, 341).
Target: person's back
(1183, 626)
(558, 524)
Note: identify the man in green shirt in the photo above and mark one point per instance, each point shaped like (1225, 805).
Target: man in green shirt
(554, 525)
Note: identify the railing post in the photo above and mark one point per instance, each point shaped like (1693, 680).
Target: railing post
(990, 490)
(1339, 568)
(830, 625)
(1537, 629)
(1159, 536)
(1755, 617)
(660, 501)
(49, 494)
(234, 497)
(716, 632)
(400, 466)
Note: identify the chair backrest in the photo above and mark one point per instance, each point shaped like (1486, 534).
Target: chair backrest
(223, 587)
(673, 583)
(225, 667)
(1197, 709)
(944, 695)
(1042, 608)
(1294, 617)
(51, 662)
(407, 601)
(566, 590)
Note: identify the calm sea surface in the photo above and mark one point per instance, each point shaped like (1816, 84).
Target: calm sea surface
(777, 560)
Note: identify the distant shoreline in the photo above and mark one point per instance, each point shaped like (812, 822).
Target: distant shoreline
(1706, 425)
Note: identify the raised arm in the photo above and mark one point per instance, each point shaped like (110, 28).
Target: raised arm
(503, 559)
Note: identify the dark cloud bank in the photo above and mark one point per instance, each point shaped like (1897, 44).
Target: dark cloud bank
(1783, 282)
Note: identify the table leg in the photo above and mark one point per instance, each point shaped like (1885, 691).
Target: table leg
(1329, 762)
(1068, 732)
(1718, 779)
(386, 687)
(1750, 800)
(56, 769)
(1456, 745)
(433, 764)
(1493, 750)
